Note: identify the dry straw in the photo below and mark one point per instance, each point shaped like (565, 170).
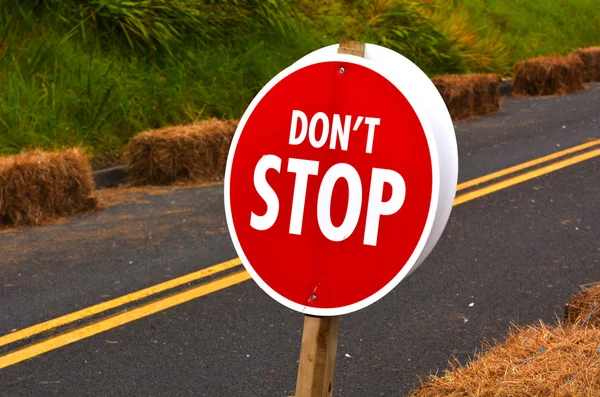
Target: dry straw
(552, 75)
(196, 152)
(591, 63)
(469, 95)
(584, 308)
(534, 361)
(37, 187)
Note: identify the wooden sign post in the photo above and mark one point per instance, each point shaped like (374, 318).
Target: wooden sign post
(319, 337)
(317, 356)
(352, 48)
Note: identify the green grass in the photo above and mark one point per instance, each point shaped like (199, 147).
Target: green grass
(530, 28)
(92, 73)
(80, 81)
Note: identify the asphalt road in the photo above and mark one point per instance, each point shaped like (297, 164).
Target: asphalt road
(516, 254)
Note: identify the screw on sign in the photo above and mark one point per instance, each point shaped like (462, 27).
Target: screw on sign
(339, 182)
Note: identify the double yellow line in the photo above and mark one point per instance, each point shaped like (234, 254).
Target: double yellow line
(528, 175)
(237, 277)
(120, 319)
(111, 304)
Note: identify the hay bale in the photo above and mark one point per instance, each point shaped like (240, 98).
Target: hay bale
(552, 75)
(584, 308)
(196, 152)
(469, 95)
(534, 361)
(591, 63)
(37, 187)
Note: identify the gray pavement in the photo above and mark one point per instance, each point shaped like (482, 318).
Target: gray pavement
(517, 254)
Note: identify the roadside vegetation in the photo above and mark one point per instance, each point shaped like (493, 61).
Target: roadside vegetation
(528, 29)
(92, 73)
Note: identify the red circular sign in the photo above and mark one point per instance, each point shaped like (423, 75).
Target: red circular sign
(329, 187)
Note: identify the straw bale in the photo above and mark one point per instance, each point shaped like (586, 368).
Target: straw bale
(196, 152)
(591, 63)
(534, 361)
(469, 95)
(551, 75)
(584, 308)
(37, 187)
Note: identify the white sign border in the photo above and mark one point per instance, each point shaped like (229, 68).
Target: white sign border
(314, 311)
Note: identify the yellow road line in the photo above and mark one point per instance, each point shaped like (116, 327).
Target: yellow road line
(236, 278)
(519, 167)
(527, 176)
(92, 310)
(121, 319)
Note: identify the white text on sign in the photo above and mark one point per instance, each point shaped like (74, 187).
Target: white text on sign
(336, 131)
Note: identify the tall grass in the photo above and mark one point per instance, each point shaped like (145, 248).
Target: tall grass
(94, 72)
(528, 28)
(399, 25)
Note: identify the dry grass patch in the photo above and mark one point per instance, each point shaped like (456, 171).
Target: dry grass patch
(591, 63)
(534, 361)
(195, 152)
(38, 187)
(584, 308)
(469, 95)
(551, 75)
